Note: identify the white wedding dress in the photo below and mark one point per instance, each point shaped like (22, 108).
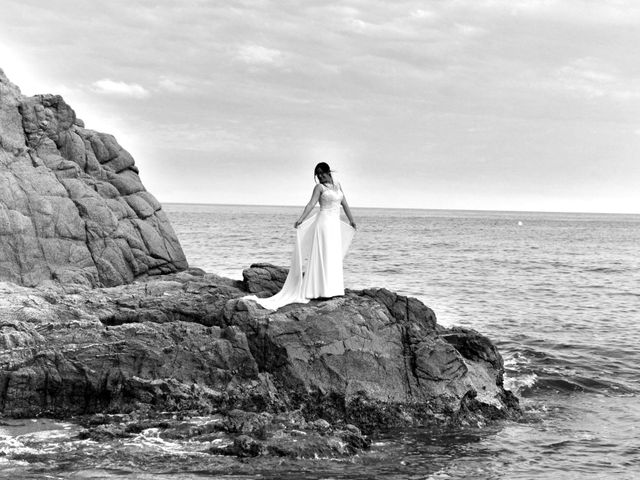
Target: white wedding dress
(316, 265)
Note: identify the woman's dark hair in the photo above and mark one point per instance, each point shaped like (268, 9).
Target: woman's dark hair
(322, 167)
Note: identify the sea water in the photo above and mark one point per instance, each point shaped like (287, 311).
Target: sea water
(558, 293)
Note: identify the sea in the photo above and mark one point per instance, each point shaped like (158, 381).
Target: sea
(558, 293)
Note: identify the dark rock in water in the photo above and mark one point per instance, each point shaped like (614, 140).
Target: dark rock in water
(243, 446)
(282, 435)
(188, 342)
(72, 206)
(287, 436)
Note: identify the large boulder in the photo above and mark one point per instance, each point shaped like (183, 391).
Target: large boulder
(191, 342)
(72, 206)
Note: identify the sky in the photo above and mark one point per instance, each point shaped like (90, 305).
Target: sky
(445, 104)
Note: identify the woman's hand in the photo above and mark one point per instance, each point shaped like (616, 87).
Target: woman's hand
(297, 224)
(353, 225)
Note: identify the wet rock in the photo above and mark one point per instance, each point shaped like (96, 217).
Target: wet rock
(103, 433)
(187, 342)
(292, 439)
(313, 444)
(473, 346)
(245, 446)
(303, 381)
(201, 429)
(320, 425)
(238, 421)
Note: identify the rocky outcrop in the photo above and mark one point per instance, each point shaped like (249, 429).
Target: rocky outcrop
(234, 433)
(189, 342)
(88, 328)
(72, 207)
(382, 356)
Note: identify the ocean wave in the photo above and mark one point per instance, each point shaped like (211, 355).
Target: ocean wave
(517, 384)
(563, 384)
(606, 270)
(389, 270)
(625, 294)
(529, 371)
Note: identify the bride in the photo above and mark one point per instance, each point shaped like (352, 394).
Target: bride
(321, 242)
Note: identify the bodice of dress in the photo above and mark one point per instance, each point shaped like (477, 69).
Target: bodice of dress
(331, 197)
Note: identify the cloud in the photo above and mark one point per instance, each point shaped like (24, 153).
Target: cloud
(170, 85)
(421, 13)
(593, 78)
(107, 86)
(259, 55)
(427, 86)
(613, 12)
(469, 30)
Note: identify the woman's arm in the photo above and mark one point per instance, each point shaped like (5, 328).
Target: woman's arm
(347, 211)
(315, 196)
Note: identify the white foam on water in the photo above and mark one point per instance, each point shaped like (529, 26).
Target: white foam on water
(10, 446)
(515, 384)
(150, 439)
(45, 435)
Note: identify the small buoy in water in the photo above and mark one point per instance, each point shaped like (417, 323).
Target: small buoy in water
(519, 224)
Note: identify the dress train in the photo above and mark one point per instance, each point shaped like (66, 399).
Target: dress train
(316, 269)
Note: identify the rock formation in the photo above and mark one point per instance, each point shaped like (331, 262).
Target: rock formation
(72, 206)
(79, 337)
(190, 342)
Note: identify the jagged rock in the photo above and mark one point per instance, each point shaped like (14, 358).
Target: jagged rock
(61, 356)
(287, 435)
(370, 357)
(237, 433)
(264, 279)
(189, 342)
(72, 207)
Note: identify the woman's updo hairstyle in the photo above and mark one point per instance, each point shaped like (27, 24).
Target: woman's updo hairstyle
(322, 167)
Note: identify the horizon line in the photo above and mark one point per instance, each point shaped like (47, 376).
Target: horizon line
(410, 208)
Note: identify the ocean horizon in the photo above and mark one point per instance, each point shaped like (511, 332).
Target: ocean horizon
(418, 209)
